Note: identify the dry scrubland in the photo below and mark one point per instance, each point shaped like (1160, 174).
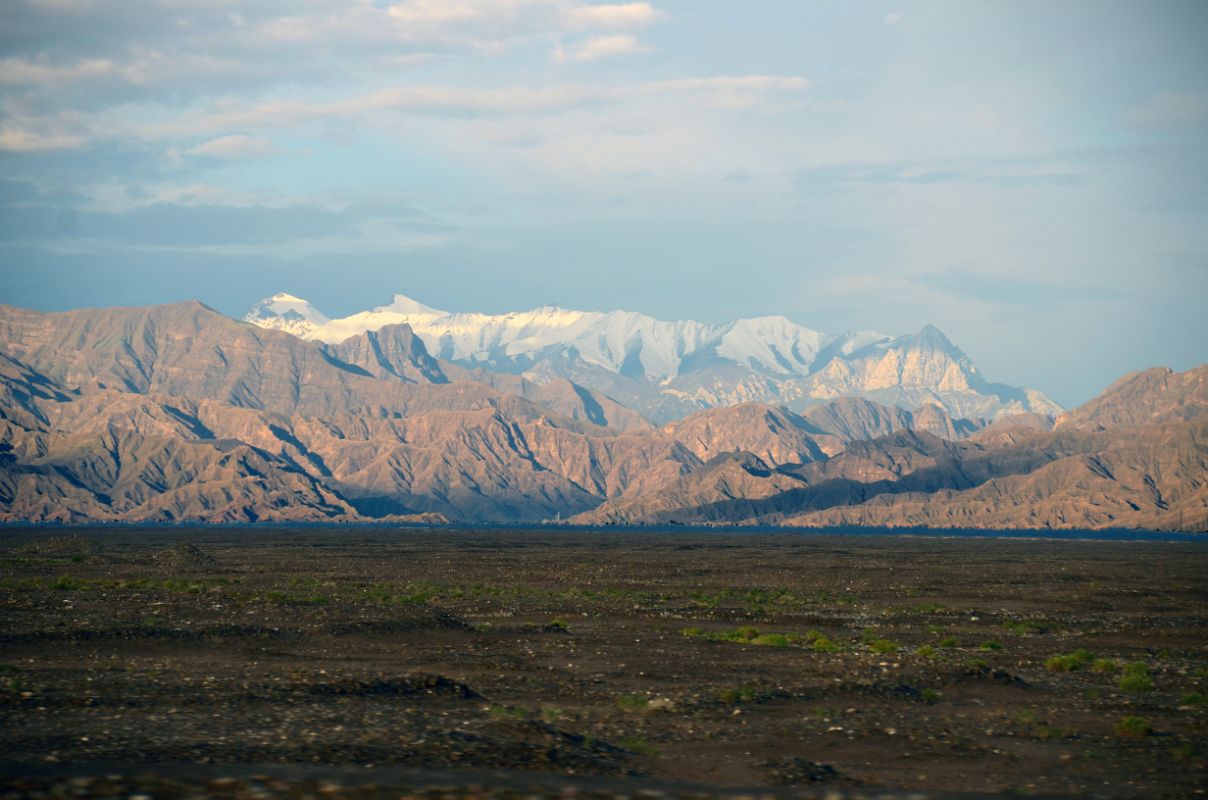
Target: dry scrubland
(449, 664)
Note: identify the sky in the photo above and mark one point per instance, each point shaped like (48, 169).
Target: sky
(1030, 177)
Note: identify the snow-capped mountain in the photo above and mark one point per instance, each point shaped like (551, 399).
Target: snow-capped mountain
(667, 369)
(284, 312)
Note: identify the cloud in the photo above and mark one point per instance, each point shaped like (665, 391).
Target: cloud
(177, 50)
(571, 14)
(612, 15)
(1011, 290)
(1007, 173)
(1171, 109)
(176, 225)
(234, 147)
(485, 25)
(215, 227)
(41, 72)
(893, 18)
(24, 140)
(445, 101)
(600, 47)
(24, 193)
(205, 218)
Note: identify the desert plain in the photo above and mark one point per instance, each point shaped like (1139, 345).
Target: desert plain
(364, 662)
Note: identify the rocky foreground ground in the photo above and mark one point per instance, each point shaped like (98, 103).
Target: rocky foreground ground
(143, 663)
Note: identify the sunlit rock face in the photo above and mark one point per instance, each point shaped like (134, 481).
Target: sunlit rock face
(178, 413)
(669, 369)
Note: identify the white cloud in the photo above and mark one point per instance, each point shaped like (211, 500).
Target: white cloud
(569, 13)
(612, 15)
(600, 47)
(23, 140)
(442, 12)
(1168, 109)
(22, 72)
(733, 92)
(235, 146)
(483, 24)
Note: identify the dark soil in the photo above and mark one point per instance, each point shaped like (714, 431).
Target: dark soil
(361, 662)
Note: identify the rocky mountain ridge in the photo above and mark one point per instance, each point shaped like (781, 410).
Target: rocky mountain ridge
(669, 369)
(177, 413)
(1134, 457)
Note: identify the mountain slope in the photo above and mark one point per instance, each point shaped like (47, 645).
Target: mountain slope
(177, 413)
(1137, 456)
(181, 399)
(669, 369)
(1149, 397)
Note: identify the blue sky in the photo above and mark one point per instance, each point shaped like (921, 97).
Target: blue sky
(1031, 177)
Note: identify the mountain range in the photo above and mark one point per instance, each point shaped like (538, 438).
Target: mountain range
(667, 370)
(178, 413)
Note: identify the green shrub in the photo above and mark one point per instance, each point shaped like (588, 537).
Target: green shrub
(989, 646)
(66, 583)
(737, 694)
(1135, 683)
(507, 712)
(1105, 665)
(1133, 728)
(824, 645)
(930, 696)
(948, 642)
(638, 746)
(1183, 752)
(927, 651)
(745, 635)
(976, 664)
(1193, 699)
(633, 702)
(1070, 662)
(1025, 628)
(882, 646)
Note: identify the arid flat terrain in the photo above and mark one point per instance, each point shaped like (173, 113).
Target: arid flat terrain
(374, 662)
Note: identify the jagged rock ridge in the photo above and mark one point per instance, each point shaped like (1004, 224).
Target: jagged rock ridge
(178, 413)
(669, 369)
(1135, 457)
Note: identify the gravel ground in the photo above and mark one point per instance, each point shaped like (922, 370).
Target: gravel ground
(357, 662)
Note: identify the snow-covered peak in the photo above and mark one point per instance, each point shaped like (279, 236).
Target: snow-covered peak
(771, 344)
(625, 342)
(677, 364)
(402, 304)
(282, 304)
(286, 312)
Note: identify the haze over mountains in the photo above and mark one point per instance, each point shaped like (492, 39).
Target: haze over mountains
(666, 370)
(177, 413)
